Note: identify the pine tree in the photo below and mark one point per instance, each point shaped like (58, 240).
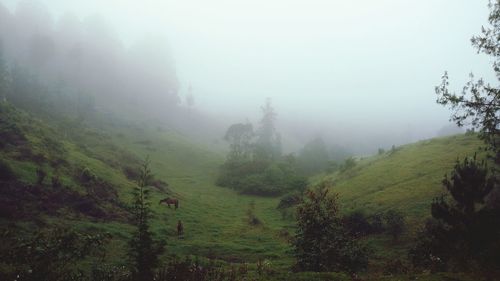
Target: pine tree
(143, 252)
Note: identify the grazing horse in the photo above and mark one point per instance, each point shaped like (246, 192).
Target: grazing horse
(170, 201)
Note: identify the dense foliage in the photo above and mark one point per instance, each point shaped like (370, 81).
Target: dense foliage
(465, 231)
(254, 164)
(49, 254)
(322, 243)
(478, 104)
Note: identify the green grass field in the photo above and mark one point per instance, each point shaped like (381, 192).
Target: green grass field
(406, 179)
(214, 218)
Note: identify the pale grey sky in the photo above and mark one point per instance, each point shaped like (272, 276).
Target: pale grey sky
(365, 64)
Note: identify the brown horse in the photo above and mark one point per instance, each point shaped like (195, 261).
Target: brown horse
(169, 201)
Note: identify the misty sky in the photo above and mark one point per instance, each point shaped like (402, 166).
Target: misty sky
(359, 66)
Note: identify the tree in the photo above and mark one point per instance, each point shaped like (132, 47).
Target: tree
(190, 97)
(466, 229)
(4, 77)
(268, 146)
(321, 242)
(478, 104)
(469, 223)
(239, 137)
(143, 252)
(313, 157)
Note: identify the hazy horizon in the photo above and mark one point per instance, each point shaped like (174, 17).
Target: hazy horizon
(361, 71)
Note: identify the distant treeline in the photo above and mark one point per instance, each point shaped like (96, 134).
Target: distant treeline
(84, 59)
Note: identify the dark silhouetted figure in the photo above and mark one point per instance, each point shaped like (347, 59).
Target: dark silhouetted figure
(180, 229)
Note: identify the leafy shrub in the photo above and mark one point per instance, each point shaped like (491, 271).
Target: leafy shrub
(357, 224)
(10, 133)
(40, 175)
(56, 182)
(131, 173)
(189, 270)
(431, 249)
(87, 176)
(321, 242)
(395, 223)
(395, 266)
(6, 172)
(332, 167)
(349, 163)
(257, 185)
(50, 254)
(290, 200)
(160, 184)
(260, 177)
(376, 223)
(252, 219)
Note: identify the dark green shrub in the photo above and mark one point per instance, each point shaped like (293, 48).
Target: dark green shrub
(349, 163)
(87, 176)
(356, 224)
(40, 175)
(252, 219)
(56, 182)
(290, 200)
(50, 254)
(376, 223)
(321, 242)
(395, 223)
(395, 266)
(6, 172)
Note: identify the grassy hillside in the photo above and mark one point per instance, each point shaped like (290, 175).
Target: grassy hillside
(405, 179)
(214, 218)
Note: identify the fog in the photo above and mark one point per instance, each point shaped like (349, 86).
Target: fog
(361, 74)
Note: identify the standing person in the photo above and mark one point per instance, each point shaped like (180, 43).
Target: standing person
(180, 229)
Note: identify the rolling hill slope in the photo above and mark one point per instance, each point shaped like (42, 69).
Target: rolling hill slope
(214, 218)
(405, 179)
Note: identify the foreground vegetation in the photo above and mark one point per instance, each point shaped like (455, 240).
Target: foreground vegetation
(75, 187)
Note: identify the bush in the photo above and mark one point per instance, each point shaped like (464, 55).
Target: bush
(6, 172)
(189, 270)
(87, 176)
(40, 175)
(257, 185)
(395, 223)
(332, 167)
(131, 173)
(290, 200)
(50, 254)
(357, 224)
(395, 266)
(261, 177)
(349, 163)
(251, 217)
(376, 223)
(56, 182)
(431, 249)
(321, 242)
